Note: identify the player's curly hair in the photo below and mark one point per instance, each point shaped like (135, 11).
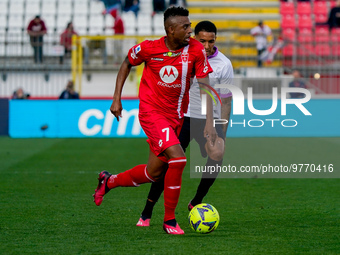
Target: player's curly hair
(175, 11)
(206, 26)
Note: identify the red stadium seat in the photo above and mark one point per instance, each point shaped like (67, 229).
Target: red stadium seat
(305, 36)
(321, 18)
(288, 50)
(287, 8)
(336, 50)
(333, 3)
(306, 49)
(305, 21)
(288, 21)
(321, 34)
(288, 34)
(304, 8)
(335, 38)
(336, 31)
(320, 8)
(322, 49)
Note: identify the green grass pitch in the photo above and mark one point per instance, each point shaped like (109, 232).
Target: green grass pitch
(46, 204)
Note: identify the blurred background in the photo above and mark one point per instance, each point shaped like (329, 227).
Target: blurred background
(301, 39)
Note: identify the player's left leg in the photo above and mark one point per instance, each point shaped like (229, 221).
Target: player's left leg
(208, 178)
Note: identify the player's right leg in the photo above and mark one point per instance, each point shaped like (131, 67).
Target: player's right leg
(158, 187)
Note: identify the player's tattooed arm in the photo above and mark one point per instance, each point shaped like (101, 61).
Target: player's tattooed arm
(116, 106)
(225, 112)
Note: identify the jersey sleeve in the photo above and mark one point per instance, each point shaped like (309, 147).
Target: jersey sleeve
(138, 53)
(202, 66)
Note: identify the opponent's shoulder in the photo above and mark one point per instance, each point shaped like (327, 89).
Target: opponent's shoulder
(221, 59)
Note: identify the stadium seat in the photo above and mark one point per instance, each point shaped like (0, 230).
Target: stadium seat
(48, 8)
(96, 22)
(15, 21)
(129, 20)
(288, 34)
(336, 50)
(80, 7)
(144, 25)
(287, 8)
(305, 21)
(322, 49)
(16, 8)
(33, 8)
(335, 38)
(336, 31)
(3, 7)
(320, 7)
(62, 21)
(80, 22)
(332, 4)
(109, 21)
(320, 18)
(288, 50)
(321, 34)
(64, 7)
(304, 8)
(3, 21)
(306, 49)
(96, 7)
(288, 21)
(305, 36)
(50, 22)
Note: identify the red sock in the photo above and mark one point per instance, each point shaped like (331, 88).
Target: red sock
(130, 178)
(172, 186)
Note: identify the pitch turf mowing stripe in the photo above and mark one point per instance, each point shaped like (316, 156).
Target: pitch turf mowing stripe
(54, 213)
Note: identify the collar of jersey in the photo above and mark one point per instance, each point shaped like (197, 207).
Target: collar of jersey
(215, 54)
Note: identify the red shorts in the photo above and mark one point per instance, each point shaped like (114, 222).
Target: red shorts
(162, 131)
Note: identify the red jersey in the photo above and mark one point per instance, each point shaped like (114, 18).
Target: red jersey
(165, 82)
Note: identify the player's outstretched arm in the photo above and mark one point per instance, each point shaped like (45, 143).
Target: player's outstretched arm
(209, 130)
(116, 106)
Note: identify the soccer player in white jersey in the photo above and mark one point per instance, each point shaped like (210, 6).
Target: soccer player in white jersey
(205, 32)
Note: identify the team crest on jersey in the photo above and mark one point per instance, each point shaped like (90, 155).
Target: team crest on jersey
(185, 57)
(168, 74)
(138, 49)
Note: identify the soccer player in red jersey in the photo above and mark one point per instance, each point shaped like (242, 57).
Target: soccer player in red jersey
(170, 63)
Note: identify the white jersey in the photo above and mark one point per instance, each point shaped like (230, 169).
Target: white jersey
(222, 74)
(261, 34)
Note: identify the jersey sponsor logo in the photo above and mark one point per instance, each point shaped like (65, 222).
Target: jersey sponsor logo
(157, 59)
(205, 69)
(168, 74)
(138, 49)
(171, 54)
(185, 57)
(169, 85)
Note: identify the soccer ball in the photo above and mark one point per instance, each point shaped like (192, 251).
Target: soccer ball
(204, 218)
